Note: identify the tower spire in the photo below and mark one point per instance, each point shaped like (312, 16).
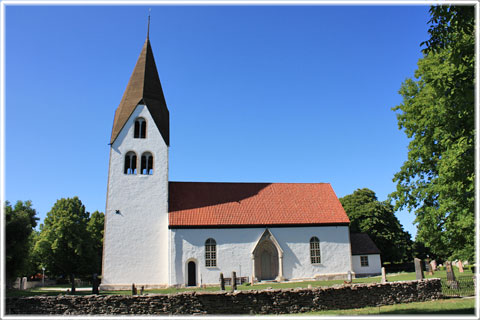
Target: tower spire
(148, 25)
(145, 88)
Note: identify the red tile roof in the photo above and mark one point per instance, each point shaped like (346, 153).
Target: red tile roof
(219, 204)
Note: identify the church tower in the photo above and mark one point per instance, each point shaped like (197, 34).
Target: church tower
(135, 248)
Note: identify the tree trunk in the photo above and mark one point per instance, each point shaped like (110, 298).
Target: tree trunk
(72, 281)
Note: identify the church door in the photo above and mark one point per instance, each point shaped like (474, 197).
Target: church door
(266, 266)
(192, 279)
(266, 261)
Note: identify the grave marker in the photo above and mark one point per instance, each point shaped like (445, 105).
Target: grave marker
(384, 275)
(460, 266)
(429, 268)
(418, 269)
(451, 281)
(433, 264)
(222, 281)
(95, 284)
(23, 284)
(234, 281)
(450, 272)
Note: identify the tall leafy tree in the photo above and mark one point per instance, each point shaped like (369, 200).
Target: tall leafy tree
(20, 222)
(95, 230)
(377, 219)
(437, 114)
(64, 242)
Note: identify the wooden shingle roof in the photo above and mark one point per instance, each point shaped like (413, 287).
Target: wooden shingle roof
(219, 204)
(144, 87)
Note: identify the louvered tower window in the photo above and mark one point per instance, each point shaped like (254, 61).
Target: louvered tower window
(146, 165)
(130, 163)
(210, 253)
(315, 250)
(140, 129)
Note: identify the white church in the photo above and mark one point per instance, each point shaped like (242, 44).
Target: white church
(160, 233)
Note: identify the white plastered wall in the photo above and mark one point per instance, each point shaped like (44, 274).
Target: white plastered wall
(374, 264)
(136, 239)
(235, 246)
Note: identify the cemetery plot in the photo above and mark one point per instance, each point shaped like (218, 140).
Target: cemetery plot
(462, 286)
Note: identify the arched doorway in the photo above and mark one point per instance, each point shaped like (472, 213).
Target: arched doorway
(192, 274)
(267, 259)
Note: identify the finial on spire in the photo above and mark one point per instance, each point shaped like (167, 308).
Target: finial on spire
(148, 26)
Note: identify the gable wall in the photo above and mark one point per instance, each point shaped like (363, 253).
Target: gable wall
(374, 264)
(235, 246)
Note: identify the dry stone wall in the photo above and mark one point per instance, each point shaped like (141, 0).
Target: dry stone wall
(242, 302)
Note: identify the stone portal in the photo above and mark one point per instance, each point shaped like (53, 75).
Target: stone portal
(267, 258)
(266, 261)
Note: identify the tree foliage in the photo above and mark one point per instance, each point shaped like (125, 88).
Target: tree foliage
(95, 230)
(20, 222)
(437, 115)
(64, 242)
(377, 219)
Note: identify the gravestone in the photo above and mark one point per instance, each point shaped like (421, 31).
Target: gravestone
(23, 284)
(141, 290)
(234, 281)
(418, 269)
(433, 264)
(222, 281)
(450, 273)
(349, 276)
(18, 284)
(134, 290)
(451, 281)
(429, 268)
(384, 275)
(95, 284)
(460, 266)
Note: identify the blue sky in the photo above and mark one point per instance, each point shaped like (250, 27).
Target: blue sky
(255, 93)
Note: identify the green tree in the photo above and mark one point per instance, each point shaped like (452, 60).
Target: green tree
(64, 244)
(437, 181)
(20, 222)
(377, 219)
(95, 231)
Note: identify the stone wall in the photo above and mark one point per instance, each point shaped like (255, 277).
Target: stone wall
(242, 302)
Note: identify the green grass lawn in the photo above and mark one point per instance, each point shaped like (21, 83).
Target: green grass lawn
(443, 306)
(403, 276)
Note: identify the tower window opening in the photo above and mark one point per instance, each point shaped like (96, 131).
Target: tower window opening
(140, 129)
(130, 163)
(146, 163)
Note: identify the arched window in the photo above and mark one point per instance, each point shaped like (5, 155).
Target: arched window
(130, 163)
(140, 129)
(315, 250)
(146, 165)
(210, 253)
